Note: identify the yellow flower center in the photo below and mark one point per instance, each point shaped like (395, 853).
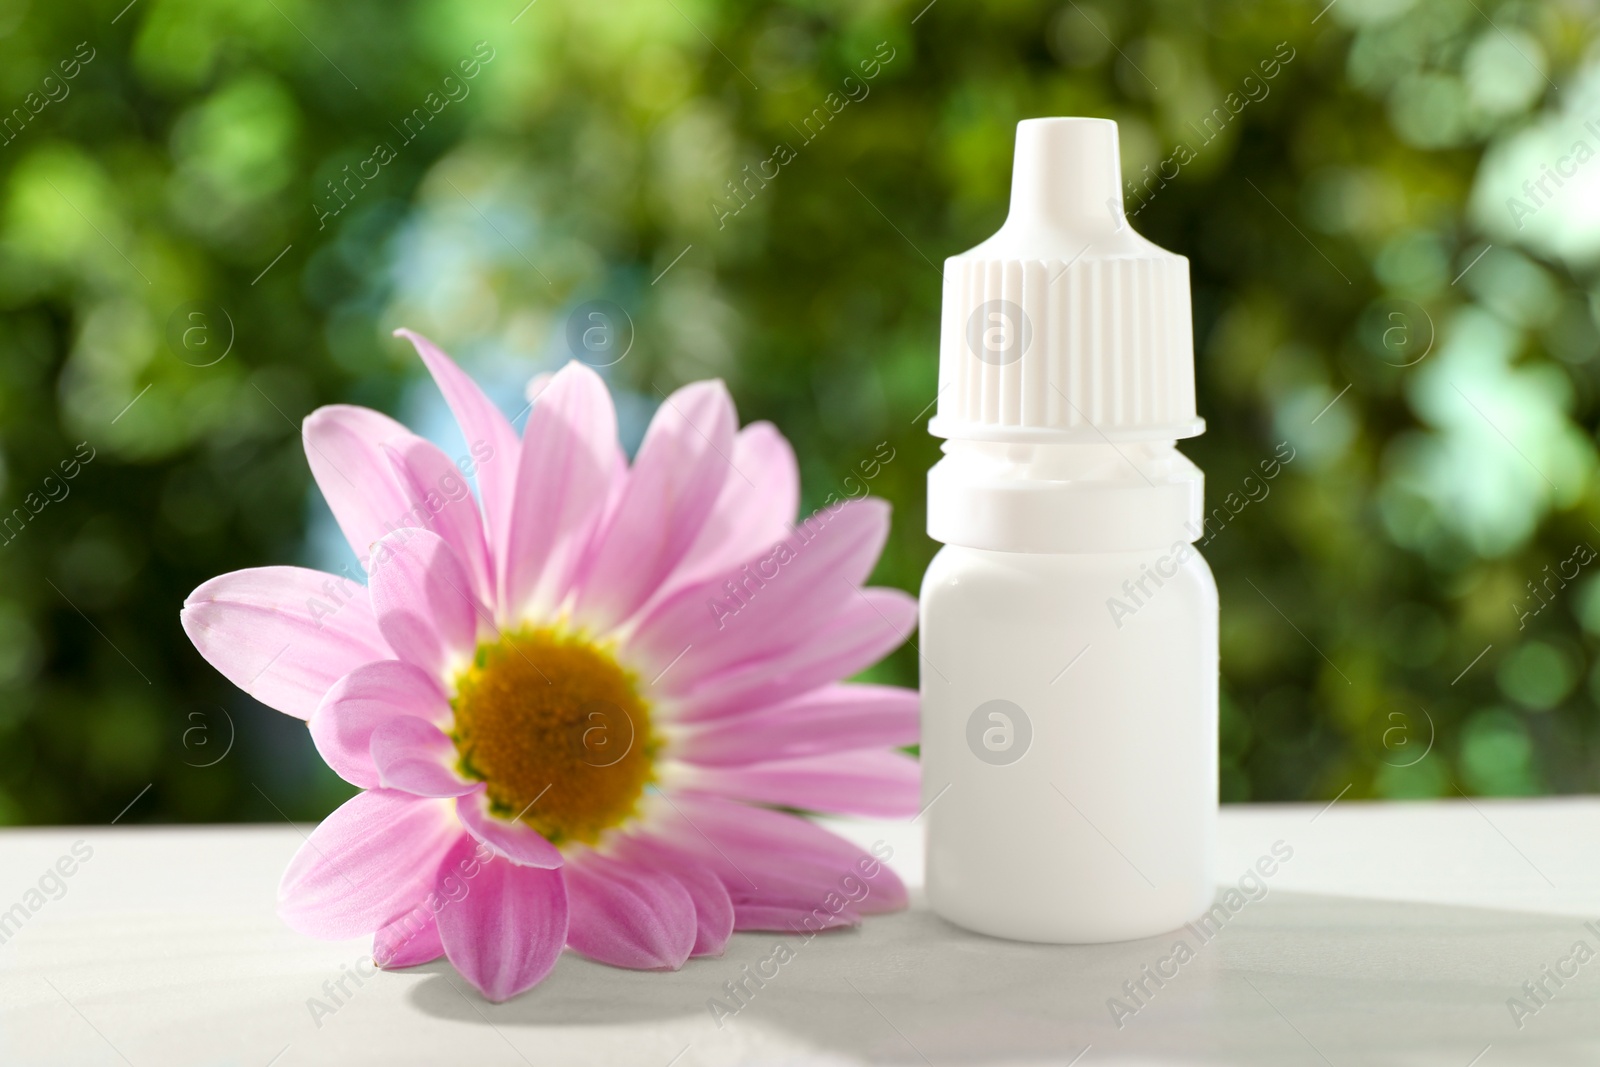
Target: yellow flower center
(558, 731)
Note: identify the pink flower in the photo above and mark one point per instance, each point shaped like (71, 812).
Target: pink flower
(576, 702)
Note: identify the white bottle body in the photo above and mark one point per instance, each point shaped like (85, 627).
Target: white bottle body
(1086, 812)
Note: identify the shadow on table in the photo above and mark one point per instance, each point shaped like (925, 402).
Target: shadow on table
(1295, 978)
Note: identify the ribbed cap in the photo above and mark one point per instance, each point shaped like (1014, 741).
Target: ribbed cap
(1066, 325)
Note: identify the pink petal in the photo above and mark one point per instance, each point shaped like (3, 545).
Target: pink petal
(441, 500)
(791, 918)
(713, 908)
(414, 755)
(569, 455)
(770, 605)
(490, 438)
(423, 600)
(344, 446)
(764, 855)
(628, 916)
(283, 634)
(864, 782)
(366, 864)
(750, 516)
(371, 694)
(676, 478)
(875, 623)
(410, 940)
(506, 933)
(834, 718)
(516, 841)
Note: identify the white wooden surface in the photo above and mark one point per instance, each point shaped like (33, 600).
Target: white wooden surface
(1395, 935)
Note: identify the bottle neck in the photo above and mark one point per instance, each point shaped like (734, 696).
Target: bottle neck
(1064, 498)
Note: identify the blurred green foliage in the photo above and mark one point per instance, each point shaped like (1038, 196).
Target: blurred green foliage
(1363, 288)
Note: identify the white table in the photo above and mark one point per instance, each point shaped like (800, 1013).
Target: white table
(1395, 935)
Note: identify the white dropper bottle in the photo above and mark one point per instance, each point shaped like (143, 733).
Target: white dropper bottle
(1069, 626)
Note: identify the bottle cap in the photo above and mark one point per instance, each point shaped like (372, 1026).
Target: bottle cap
(1066, 325)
